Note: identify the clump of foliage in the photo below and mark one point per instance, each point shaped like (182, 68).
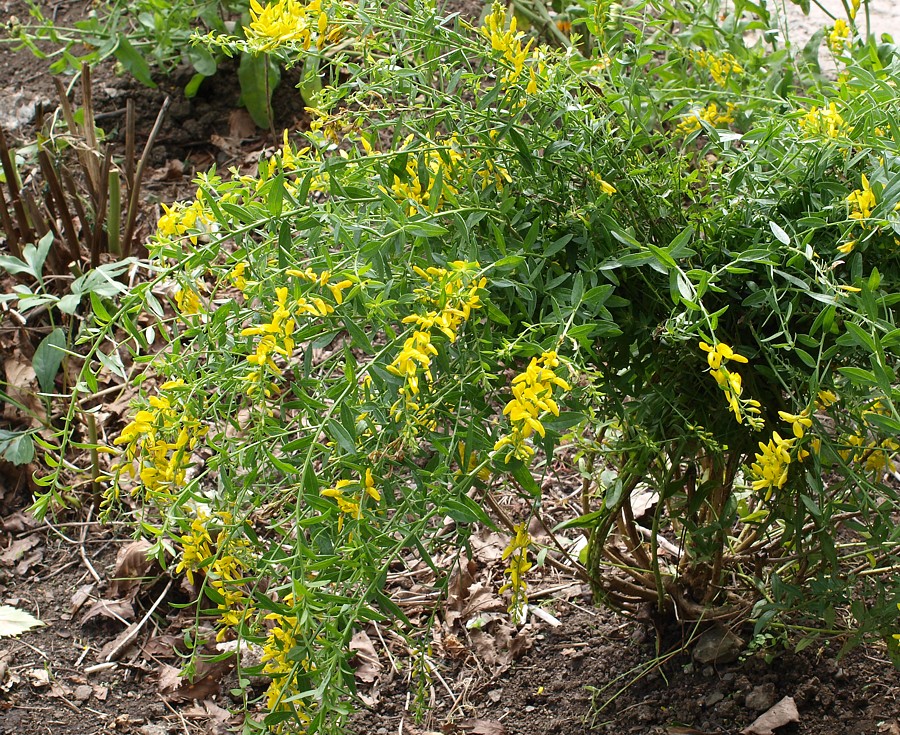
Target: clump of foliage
(649, 254)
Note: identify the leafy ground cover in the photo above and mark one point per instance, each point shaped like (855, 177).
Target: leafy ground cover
(482, 670)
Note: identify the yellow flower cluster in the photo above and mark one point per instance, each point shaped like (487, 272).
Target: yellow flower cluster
(862, 202)
(720, 66)
(710, 114)
(516, 553)
(184, 219)
(188, 301)
(744, 409)
(837, 39)
(323, 280)
(605, 186)
(279, 664)
(875, 456)
(352, 505)
(276, 339)
(824, 121)
(286, 22)
(237, 276)
(508, 41)
(224, 567)
(453, 294)
(772, 463)
(158, 443)
(441, 162)
(532, 398)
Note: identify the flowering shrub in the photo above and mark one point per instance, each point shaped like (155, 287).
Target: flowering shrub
(491, 259)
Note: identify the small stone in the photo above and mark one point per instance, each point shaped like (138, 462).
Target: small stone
(718, 645)
(714, 698)
(760, 698)
(83, 693)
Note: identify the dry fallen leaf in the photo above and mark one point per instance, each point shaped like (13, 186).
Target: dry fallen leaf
(207, 681)
(132, 566)
(368, 667)
(475, 726)
(779, 715)
(13, 621)
(121, 610)
(18, 548)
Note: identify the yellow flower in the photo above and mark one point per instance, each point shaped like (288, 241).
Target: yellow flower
(799, 422)
(415, 356)
(862, 201)
(710, 114)
(837, 39)
(236, 276)
(532, 397)
(720, 67)
(825, 398)
(771, 466)
(188, 301)
(847, 247)
(508, 41)
(824, 121)
(517, 554)
(284, 22)
(721, 352)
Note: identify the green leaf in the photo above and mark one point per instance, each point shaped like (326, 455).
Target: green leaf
(258, 77)
(523, 476)
(16, 447)
(465, 510)
(202, 60)
(423, 228)
(858, 376)
(14, 621)
(779, 233)
(48, 357)
(134, 63)
(193, 86)
(342, 436)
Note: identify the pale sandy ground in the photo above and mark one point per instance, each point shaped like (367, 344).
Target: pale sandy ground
(884, 17)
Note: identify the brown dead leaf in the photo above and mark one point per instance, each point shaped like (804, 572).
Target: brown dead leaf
(475, 726)
(481, 598)
(121, 610)
(487, 546)
(217, 717)
(132, 566)
(18, 548)
(18, 522)
(499, 644)
(240, 125)
(21, 386)
(207, 682)
(889, 728)
(29, 561)
(368, 666)
(453, 647)
(172, 171)
(779, 715)
(81, 596)
(164, 646)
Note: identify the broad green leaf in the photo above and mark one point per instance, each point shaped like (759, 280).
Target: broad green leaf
(48, 357)
(134, 63)
(258, 78)
(16, 447)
